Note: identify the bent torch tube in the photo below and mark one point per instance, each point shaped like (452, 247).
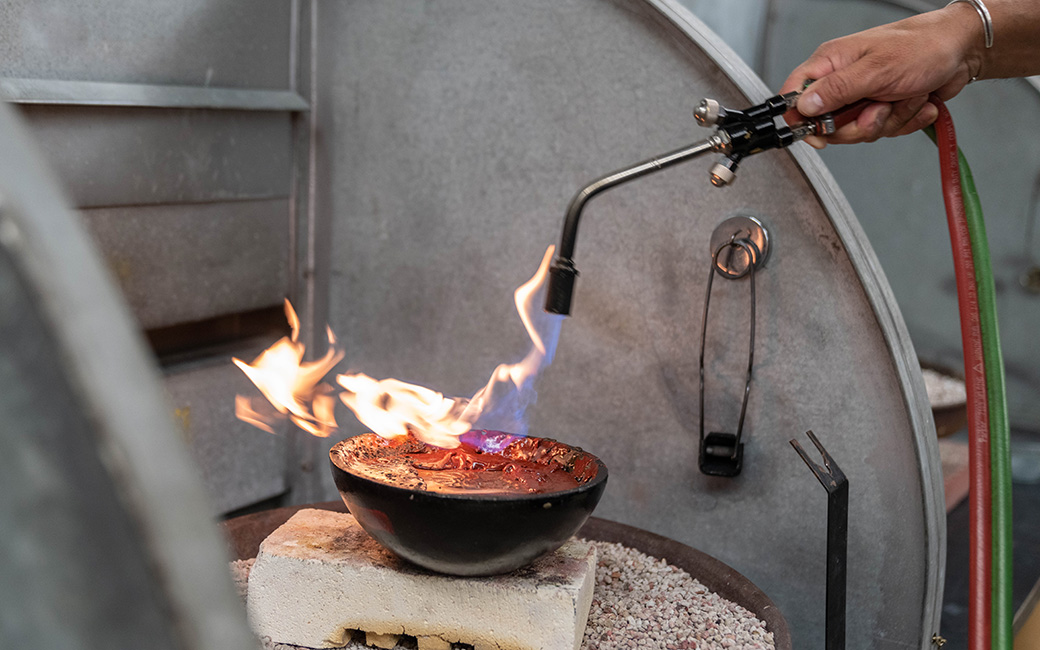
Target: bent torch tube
(738, 134)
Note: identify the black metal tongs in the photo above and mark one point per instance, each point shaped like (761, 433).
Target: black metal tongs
(833, 480)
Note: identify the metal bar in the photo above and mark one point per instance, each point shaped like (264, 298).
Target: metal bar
(577, 204)
(308, 455)
(836, 484)
(744, 244)
(562, 274)
(97, 93)
(751, 343)
(704, 338)
(837, 564)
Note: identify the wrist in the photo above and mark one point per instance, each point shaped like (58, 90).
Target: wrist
(972, 28)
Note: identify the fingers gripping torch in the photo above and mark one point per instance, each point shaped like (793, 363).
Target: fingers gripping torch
(738, 134)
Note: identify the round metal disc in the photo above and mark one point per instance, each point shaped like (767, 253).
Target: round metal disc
(422, 157)
(732, 261)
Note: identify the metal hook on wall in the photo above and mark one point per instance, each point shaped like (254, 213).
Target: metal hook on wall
(746, 244)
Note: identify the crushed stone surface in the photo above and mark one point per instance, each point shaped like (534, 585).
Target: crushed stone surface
(943, 390)
(639, 603)
(644, 602)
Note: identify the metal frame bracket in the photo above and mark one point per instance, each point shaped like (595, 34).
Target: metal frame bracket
(837, 485)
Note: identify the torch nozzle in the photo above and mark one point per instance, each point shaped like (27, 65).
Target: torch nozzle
(560, 291)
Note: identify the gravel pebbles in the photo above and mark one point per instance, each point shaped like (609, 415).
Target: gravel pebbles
(640, 603)
(943, 390)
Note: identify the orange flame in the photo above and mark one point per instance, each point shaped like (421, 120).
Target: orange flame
(392, 408)
(519, 374)
(291, 385)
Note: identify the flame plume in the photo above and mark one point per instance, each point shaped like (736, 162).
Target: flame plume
(291, 385)
(392, 408)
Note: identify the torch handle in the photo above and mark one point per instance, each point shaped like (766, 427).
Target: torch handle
(848, 114)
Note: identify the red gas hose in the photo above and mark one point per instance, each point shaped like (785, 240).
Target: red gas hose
(980, 530)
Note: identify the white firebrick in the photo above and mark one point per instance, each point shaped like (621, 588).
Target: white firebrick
(320, 576)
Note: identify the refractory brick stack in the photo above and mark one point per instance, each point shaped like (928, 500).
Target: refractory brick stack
(320, 576)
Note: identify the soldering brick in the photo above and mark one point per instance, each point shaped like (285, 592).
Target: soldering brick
(381, 640)
(432, 643)
(320, 576)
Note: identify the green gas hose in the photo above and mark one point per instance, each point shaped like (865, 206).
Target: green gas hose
(999, 436)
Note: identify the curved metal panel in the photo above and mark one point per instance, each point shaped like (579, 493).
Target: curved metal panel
(72, 560)
(889, 320)
(455, 137)
(110, 510)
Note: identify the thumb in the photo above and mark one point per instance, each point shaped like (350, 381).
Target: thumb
(837, 89)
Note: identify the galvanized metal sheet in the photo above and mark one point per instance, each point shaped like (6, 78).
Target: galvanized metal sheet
(99, 93)
(240, 464)
(70, 557)
(184, 263)
(106, 538)
(192, 42)
(474, 130)
(143, 156)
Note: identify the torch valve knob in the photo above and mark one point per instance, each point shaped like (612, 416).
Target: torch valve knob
(707, 112)
(741, 133)
(723, 173)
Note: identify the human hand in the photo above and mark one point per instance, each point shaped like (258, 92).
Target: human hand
(898, 66)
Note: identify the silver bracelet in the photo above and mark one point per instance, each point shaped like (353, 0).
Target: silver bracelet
(987, 20)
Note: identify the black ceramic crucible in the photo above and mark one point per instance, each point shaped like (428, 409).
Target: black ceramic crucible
(466, 534)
